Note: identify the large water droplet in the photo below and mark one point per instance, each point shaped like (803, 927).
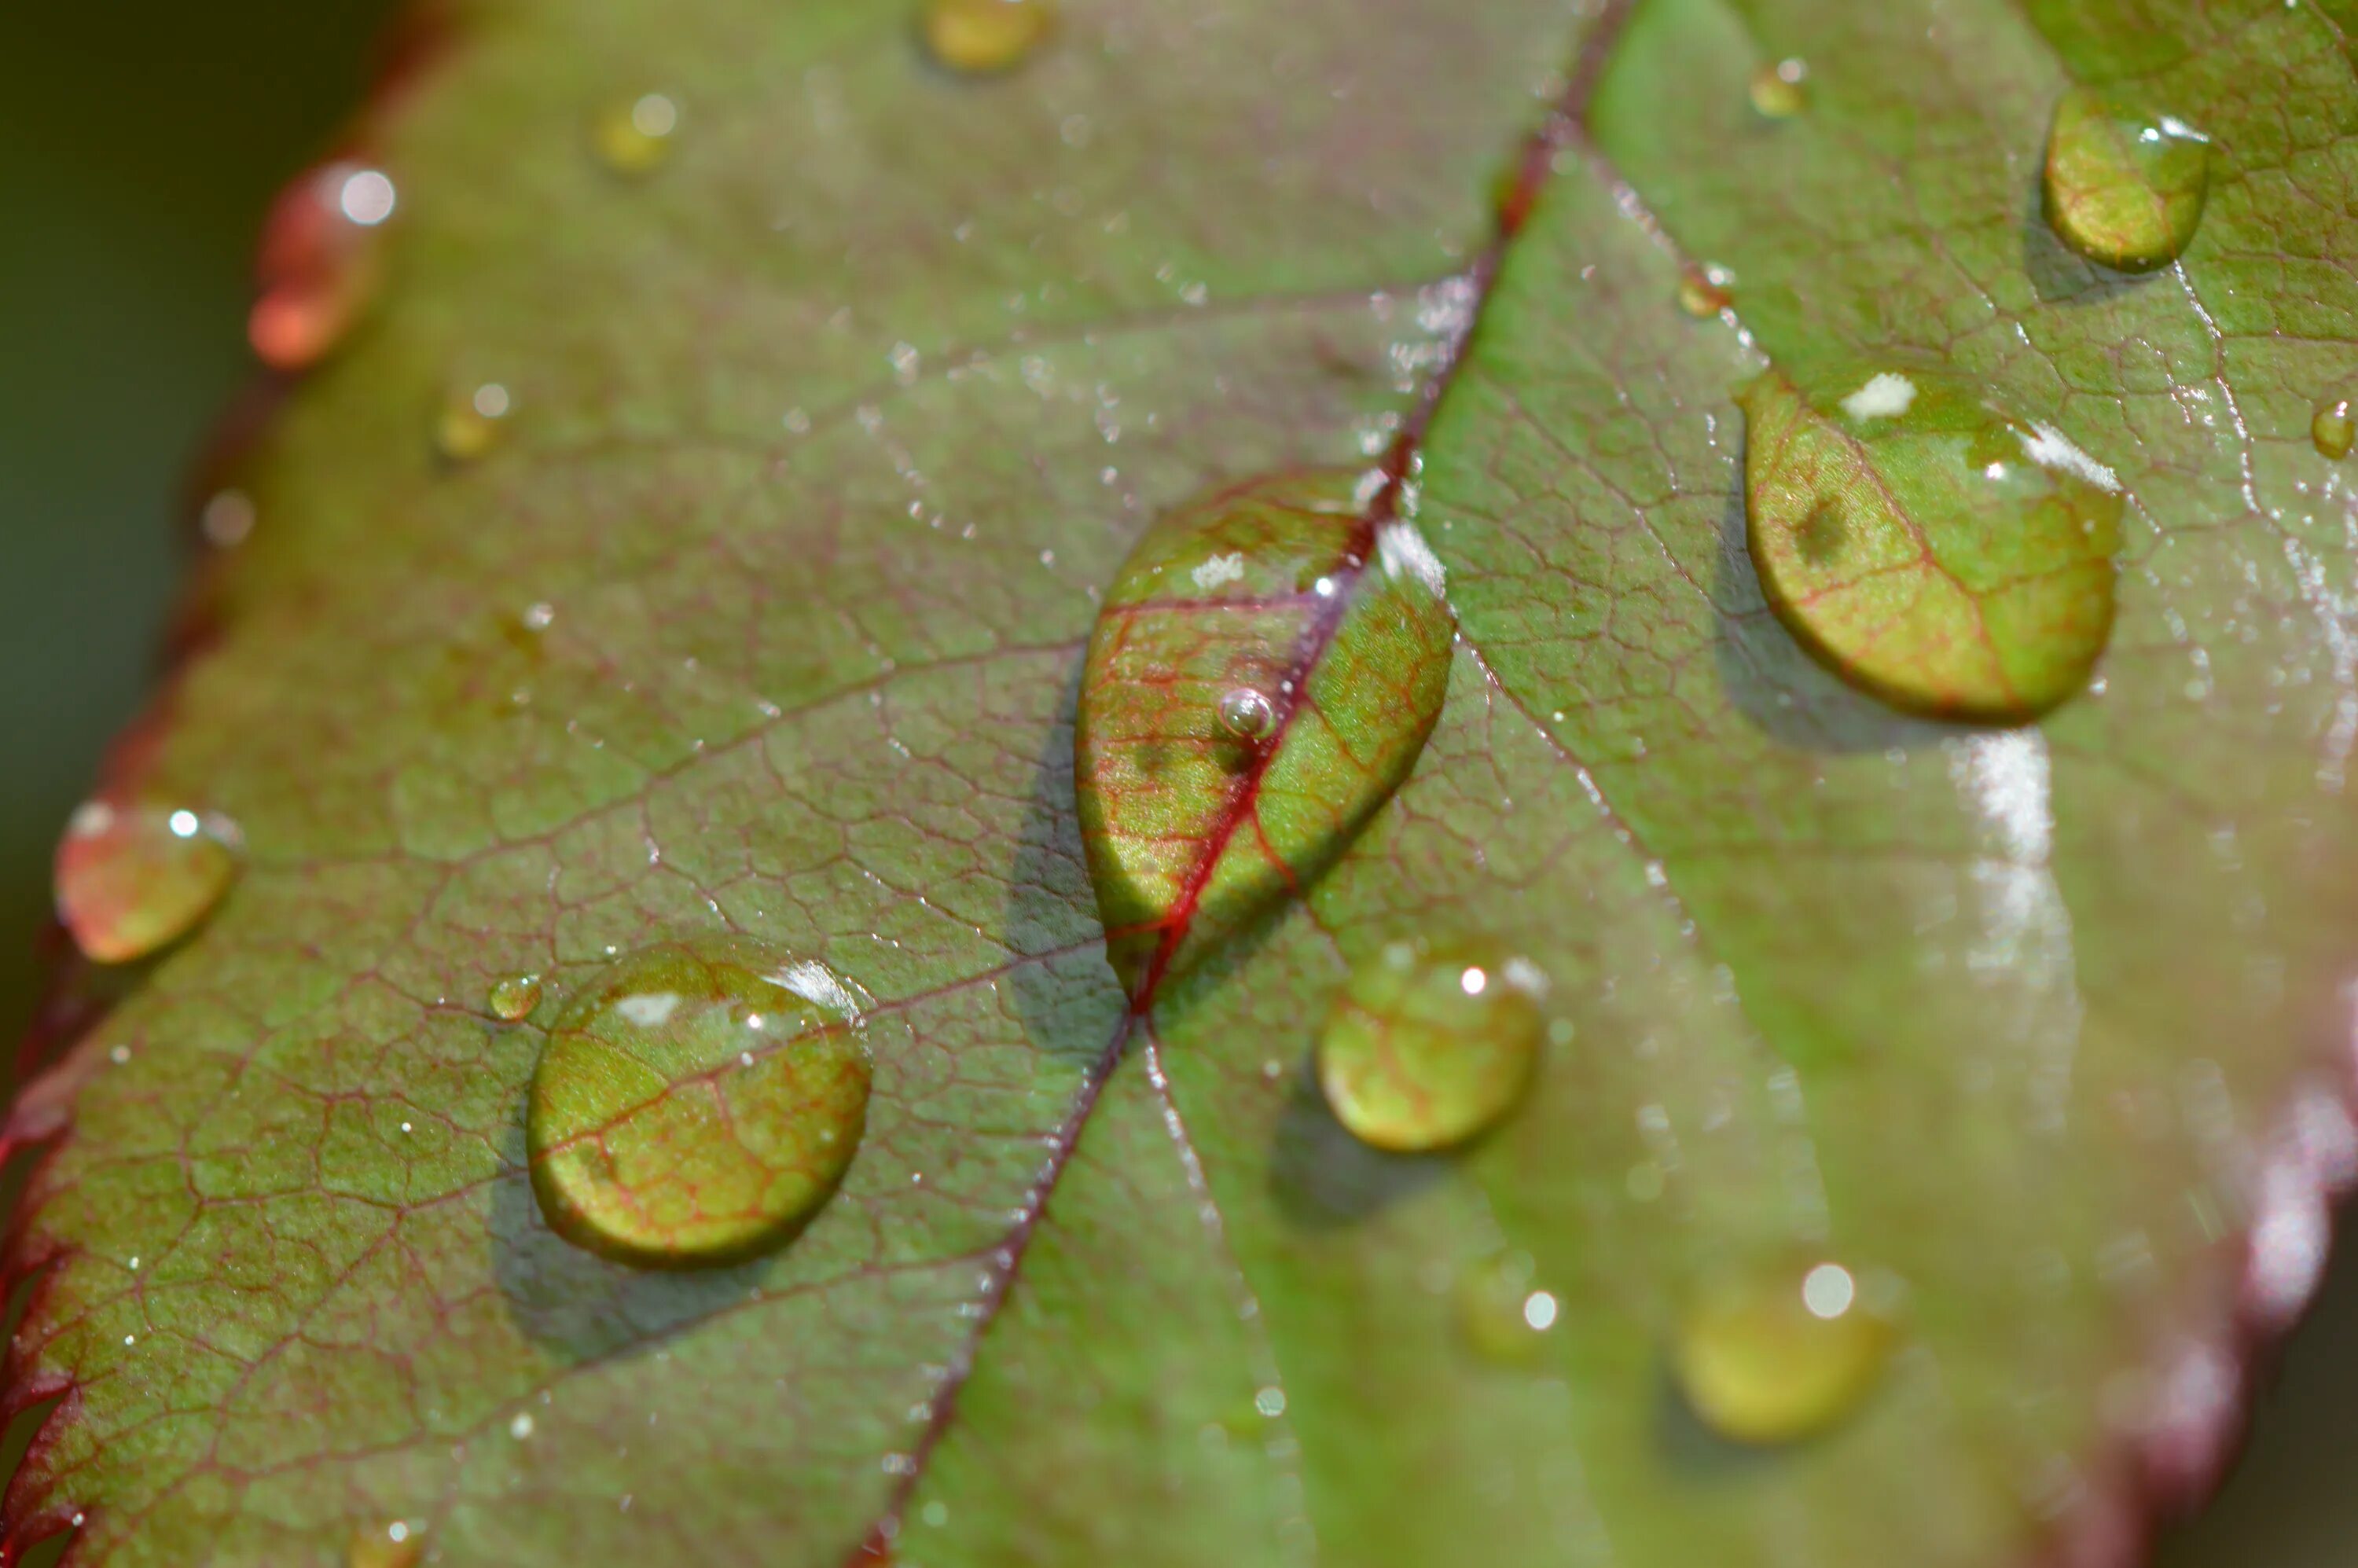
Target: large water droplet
(2333, 430)
(471, 422)
(1424, 1047)
(394, 1544)
(1928, 544)
(1503, 1313)
(513, 998)
(1780, 90)
(637, 136)
(132, 878)
(698, 1102)
(1780, 1352)
(2125, 184)
(981, 36)
(1282, 589)
(318, 268)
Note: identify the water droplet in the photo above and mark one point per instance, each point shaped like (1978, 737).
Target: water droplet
(1781, 1353)
(1703, 290)
(1781, 90)
(1425, 1048)
(227, 519)
(471, 423)
(1503, 1315)
(134, 878)
(2124, 185)
(698, 1102)
(1247, 714)
(1186, 839)
(514, 998)
(634, 137)
(976, 36)
(1928, 545)
(319, 266)
(396, 1544)
(2335, 429)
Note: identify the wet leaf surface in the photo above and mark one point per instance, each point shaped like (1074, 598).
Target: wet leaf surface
(770, 616)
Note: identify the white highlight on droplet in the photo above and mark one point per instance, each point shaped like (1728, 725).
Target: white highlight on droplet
(1219, 569)
(1404, 552)
(1828, 1291)
(1886, 395)
(366, 197)
(2051, 448)
(1539, 1310)
(650, 1011)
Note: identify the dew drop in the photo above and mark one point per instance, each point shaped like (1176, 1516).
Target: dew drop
(514, 998)
(2125, 184)
(1926, 544)
(2335, 429)
(978, 36)
(1780, 90)
(319, 264)
(1425, 1048)
(656, 1143)
(1781, 1353)
(1703, 290)
(132, 878)
(1247, 714)
(1504, 1317)
(471, 422)
(637, 136)
(394, 1544)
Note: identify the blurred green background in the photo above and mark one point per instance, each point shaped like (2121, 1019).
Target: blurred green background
(139, 143)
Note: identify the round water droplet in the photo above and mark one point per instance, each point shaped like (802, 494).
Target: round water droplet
(1504, 1316)
(637, 136)
(1703, 290)
(319, 264)
(132, 878)
(1780, 90)
(1425, 1048)
(2125, 184)
(514, 998)
(1247, 714)
(395, 1543)
(1781, 1352)
(2334, 428)
(471, 422)
(1928, 544)
(977, 37)
(696, 1103)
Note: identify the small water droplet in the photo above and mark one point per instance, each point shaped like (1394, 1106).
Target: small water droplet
(514, 998)
(2334, 428)
(635, 136)
(653, 1143)
(977, 37)
(1928, 544)
(1780, 90)
(227, 519)
(1781, 1352)
(1247, 714)
(394, 1544)
(318, 267)
(471, 423)
(2125, 184)
(1502, 1314)
(1425, 1048)
(1703, 290)
(132, 878)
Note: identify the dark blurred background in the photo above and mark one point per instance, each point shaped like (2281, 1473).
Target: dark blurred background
(139, 143)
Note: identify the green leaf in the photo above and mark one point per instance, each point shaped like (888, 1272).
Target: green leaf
(767, 613)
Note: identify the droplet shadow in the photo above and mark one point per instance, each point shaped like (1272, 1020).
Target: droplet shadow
(2059, 275)
(1324, 1179)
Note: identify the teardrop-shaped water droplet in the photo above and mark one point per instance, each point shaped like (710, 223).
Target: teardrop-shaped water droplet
(981, 36)
(1502, 1313)
(513, 998)
(395, 1543)
(471, 422)
(1703, 290)
(2333, 430)
(1780, 1352)
(132, 878)
(637, 136)
(1426, 1047)
(697, 1102)
(1928, 545)
(2125, 184)
(1248, 715)
(319, 264)
(1285, 587)
(1780, 90)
